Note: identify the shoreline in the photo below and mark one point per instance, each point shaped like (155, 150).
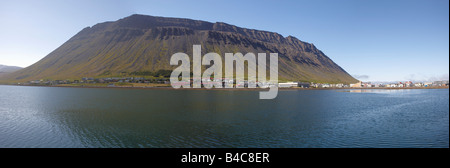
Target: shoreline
(239, 89)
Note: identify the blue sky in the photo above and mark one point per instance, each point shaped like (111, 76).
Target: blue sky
(376, 40)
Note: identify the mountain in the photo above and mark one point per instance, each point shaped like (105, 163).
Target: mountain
(141, 43)
(8, 69)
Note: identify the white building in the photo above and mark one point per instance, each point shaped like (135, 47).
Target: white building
(418, 84)
(287, 84)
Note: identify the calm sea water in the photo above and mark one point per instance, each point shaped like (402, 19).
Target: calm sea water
(89, 117)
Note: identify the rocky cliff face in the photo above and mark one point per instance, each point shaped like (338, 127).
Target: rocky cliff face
(146, 43)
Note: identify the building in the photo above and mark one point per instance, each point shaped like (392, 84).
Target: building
(287, 84)
(418, 85)
(367, 85)
(339, 85)
(440, 83)
(392, 85)
(356, 85)
(409, 84)
(380, 85)
(303, 85)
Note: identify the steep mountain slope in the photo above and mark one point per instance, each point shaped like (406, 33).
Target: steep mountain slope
(145, 43)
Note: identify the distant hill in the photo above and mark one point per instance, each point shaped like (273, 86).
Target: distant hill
(8, 69)
(140, 43)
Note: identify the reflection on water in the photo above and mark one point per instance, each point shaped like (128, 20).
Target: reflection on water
(82, 117)
(379, 90)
